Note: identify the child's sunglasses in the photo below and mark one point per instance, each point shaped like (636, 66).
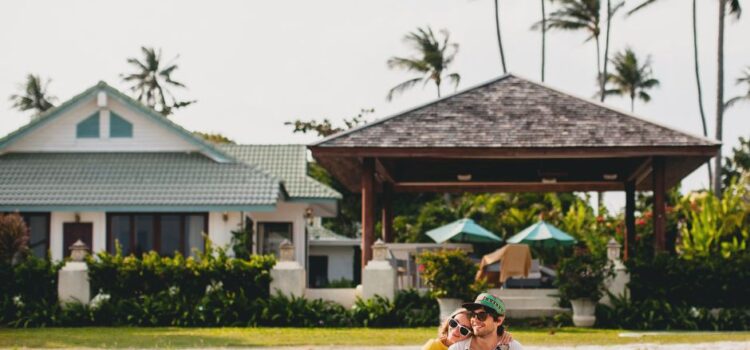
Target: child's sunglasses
(461, 329)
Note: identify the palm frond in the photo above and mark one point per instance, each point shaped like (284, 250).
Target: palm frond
(641, 6)
(400, 88)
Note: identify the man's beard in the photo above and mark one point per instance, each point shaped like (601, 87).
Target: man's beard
(484, 332)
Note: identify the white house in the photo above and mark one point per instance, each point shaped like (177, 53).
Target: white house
(102, 167)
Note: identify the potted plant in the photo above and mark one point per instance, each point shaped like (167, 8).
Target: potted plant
(580, 279)
(450, 275)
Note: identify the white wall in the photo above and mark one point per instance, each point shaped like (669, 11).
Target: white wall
(57, 219)
(340, 261)
(285, 212)
(220, 231)
(59, 135)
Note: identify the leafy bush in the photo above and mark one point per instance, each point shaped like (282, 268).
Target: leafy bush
(449, 273)
(13, 238)
(340, 283)
(28, 294)
(414, 309)
(282, 311)
(582, 276)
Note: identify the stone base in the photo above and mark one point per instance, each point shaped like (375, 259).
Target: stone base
(379, 278)
(288, 277)
(73, 283)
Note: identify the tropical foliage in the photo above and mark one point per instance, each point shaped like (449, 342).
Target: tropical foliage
(450, 274)
(13, 238)
(582, 276)
(631, 77)
(432, 59)
(152, 80)
(34, 95)
(744, 79)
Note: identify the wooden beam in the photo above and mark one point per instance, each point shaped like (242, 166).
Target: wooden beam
(507, 186)
(629, 240)
(513, 152)
(383, 171)
(641, 172)
(660, 192)
(368, 209)
(386, 212)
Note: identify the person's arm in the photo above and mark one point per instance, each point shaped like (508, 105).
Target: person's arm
(515, 345)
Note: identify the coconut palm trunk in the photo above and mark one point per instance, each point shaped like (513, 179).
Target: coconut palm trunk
(603, 76)
(698, 85)
(544, 37)
(499, 37)
(719, 96)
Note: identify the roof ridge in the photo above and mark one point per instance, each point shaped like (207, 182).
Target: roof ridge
(617, 110)
(393, 116)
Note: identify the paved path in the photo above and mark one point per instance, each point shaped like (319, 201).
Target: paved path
(641, 346)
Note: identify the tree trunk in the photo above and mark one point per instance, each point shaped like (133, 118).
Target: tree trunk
(698, 84)
(499, 38)
(603, 77)
(598, 63)
(719, 96)
(544, 37)
(438, 88)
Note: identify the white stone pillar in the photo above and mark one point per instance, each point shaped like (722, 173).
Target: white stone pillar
(617, 284)
(379, 276)
(73, 279)
(287, 276)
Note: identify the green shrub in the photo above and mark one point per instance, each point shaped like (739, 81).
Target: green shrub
(28, 294)
(13, 238)
(415, 310)
(340, 283)
(282, 311)
(449, 273)
(582, 276)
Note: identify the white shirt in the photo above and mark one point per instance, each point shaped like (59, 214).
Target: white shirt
(466, 345)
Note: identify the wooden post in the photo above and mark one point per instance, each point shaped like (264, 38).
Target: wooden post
(659, 217)
(368, 209)
(386, 213)
(629, 220)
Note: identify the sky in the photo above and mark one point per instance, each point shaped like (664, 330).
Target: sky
(253, 65)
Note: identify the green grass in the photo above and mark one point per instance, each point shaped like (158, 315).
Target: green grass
(252, 337)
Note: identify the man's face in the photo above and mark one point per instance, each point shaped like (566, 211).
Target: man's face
(484, 323)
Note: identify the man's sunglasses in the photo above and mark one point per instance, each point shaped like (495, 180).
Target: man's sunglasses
(481, 316)
(461, 329)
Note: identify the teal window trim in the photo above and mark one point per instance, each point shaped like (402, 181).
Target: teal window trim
(119, 127)
(89, 127)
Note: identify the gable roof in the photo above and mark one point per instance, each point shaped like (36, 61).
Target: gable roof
(43, 118)
(512, 112)
(287, 162)
(132, 181)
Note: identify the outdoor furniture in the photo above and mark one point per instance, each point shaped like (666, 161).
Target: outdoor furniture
(516, 261)
(464, 231)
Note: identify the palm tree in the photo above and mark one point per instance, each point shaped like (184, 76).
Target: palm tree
(544, 36)
(499, 38)
(33, 96)
(734, 8)
(578, 15)
(433, 59)
(151, 82)
(744, 79)
(631, 78)
(611, 10)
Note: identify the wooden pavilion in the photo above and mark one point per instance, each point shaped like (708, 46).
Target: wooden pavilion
(511, 135)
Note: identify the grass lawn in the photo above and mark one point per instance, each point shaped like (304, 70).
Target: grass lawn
(251, 337)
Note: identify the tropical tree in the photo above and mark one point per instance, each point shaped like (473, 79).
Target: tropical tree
(579, 15)
(544, 36)
(499, 37)
(631, 78)
(152, 80)
(736, 10)
(611, 10)
(433, 58)
(33, 95)
(744, 79)
(326, 128)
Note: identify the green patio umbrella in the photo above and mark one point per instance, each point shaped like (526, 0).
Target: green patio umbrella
(542, 234)
(464, 230)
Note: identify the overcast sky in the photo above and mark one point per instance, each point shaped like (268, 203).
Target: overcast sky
(252, 65)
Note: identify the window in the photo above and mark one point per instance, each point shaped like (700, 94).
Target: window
(119, 127)
(163, 233)
(272, 234)
(89, 127)
(38, 226)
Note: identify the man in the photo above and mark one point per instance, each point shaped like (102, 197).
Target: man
(487, 315)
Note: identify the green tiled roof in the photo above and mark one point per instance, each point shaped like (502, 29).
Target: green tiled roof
(288, 162)
(153, 181)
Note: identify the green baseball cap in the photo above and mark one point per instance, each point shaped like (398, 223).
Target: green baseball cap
(487, 301)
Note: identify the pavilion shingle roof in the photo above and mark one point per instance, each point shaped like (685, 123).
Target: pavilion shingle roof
(132, 179)
(511, 112)
(288, 163)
